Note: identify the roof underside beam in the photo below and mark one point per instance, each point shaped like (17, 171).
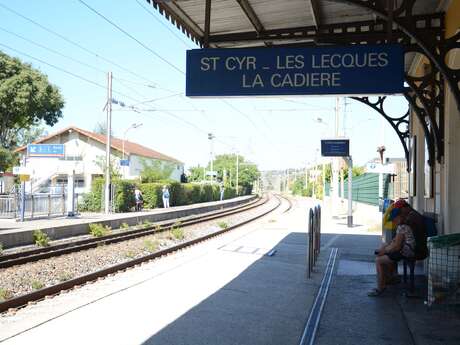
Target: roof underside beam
(252, 16)
(315, 11)
(354, 32)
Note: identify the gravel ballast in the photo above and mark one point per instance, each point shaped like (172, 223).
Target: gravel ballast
(23, 279)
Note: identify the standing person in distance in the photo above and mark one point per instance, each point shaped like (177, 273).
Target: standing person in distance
(165, 197)
(139, 199)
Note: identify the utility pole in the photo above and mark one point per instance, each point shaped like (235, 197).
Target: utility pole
(237, 171)
(350, 186)
(335, 163)
(211, 137)
(108, 144)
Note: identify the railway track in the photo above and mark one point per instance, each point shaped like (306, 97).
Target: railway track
(33, 255)
(53, 290)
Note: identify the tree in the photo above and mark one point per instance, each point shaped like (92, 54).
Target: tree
(26, 99)
(155, 170)
(29, 135)
(196, 173)
(248, 172)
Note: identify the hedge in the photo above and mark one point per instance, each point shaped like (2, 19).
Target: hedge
(180, 194)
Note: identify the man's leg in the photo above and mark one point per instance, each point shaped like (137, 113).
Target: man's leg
(384, 266)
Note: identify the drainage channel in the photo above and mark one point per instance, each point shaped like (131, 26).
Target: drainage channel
(309, 333)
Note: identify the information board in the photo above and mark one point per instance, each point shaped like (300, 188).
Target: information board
(337, 70)
(335, 148)
(45, 150)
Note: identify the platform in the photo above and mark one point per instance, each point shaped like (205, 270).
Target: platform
(229, 291)
(14, 233)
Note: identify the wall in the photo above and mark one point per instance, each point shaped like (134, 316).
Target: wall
(451, 183)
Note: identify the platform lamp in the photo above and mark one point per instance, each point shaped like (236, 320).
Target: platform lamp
(133, 126)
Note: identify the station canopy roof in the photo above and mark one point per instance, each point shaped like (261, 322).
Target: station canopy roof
(252, 23)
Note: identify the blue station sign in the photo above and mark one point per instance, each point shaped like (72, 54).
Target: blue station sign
(45, 150)
(335, 148)
(331, 70)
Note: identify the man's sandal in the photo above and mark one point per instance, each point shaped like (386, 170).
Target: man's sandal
(375, 292)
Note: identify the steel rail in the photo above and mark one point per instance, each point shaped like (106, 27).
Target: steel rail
(54, 251)
(55, 289)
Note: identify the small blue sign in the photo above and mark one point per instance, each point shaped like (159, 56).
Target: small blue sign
(124, 162)
(335, 148)
(331, 70)
(45, 150)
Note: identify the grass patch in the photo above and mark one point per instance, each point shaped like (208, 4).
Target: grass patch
(158, 227)
(5, 294)
(1, 248)
(99, 230)
(222, 225)
(151, 246)
(64, 276)
(130, 254)
(147, 224)
(37, 285)
(177, 232)
(41, 239)
(124, 226)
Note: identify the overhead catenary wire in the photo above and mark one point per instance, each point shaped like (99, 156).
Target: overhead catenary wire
(131, 36)
(66, 71)
(76, 44)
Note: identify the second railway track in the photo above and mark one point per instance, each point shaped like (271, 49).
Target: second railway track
(27, 256)
(22, 300)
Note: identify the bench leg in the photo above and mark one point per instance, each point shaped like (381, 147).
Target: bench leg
(405, 271)
(412, 276)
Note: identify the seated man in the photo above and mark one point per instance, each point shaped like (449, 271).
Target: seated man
(401, 246)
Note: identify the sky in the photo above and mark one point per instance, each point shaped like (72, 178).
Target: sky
(274, 132)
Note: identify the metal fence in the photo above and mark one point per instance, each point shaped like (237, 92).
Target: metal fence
(36, 205)
(314, 237)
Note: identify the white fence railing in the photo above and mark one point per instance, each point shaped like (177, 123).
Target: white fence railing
(36, 205)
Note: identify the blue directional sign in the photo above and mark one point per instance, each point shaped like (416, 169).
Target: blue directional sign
(335, 148)
(124, 162)
(45, 150)
(331, 70)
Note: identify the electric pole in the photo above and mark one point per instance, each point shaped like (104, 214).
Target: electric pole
(211, 137)
(108, 144)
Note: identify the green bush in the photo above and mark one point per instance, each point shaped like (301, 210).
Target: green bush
(124, 195)
(41, 239)
(1, 248)
(124, 226)
(151, 193)
(99, 230)
(92, 201)
(180, 194)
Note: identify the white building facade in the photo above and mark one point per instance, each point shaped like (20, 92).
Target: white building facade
(85, 158)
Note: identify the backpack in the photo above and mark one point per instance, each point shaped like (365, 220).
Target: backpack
(418, 225)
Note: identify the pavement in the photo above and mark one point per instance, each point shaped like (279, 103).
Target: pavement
(231, 291)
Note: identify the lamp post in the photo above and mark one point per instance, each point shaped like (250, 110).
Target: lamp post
(133, 126)
(211, 138)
